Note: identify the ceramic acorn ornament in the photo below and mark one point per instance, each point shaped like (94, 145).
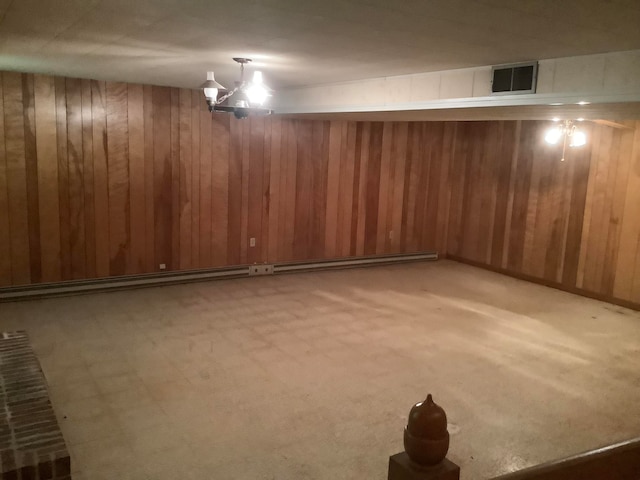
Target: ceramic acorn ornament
(426, 439)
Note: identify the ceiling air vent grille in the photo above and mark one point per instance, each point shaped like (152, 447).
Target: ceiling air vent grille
(517, 78)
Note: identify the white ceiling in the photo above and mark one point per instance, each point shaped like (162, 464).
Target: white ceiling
(297, 42)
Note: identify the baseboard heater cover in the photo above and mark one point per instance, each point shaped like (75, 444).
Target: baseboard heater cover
(353, 262)
(74, 287)
(117, 283)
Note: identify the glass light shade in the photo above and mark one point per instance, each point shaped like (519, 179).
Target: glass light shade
(210, 93)
(257, 93)
(210, 88)
(553, 135)
(578, 139)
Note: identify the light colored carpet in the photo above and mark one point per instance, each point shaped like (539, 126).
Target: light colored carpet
(311, 376)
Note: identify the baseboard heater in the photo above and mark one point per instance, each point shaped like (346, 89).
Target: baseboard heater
(75, 287)
(353, 262)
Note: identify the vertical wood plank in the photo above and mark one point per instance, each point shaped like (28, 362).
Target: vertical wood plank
(244, 189)
(511, 192)
(400, 151)
(255, 196)
(319, 166)
(205, 227)
(333, 188)
(432, 207)
(381, 166)
(46, 146)
(489, 200)
(291, 191)
(600, 201)
(355, 205)
(149, 180)
(408, 236)
(76, 178)
(580, 179)
(304, 182)
(100, 177)
(266, 191)
(275, 174)
(521, 198)
(135, 106)
(220, 184)
(16, 177)
(118, 177)
(196, 100)
(504, 159)
(349, 173)
(567, 178)
(185, 178)
(175, 177)
(373, 188)
(391, 180)
(235, 192)
(591, 185)
(362, 188)
(5, 234)
(538, 221)
(428, 157)
(88, 181)
(161, 98)
(31, 165)
(548, 220)
(448, 152)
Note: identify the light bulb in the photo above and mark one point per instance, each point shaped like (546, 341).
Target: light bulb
(578, 139)
(257, 93)
(553, 135)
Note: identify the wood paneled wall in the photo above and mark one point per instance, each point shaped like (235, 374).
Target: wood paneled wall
(101, 179)
(517, 208)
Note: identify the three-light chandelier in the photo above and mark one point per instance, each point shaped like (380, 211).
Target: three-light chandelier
(248, 97)
(566, 132)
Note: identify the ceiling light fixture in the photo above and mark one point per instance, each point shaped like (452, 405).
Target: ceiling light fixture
(248, 97)
(567, 132)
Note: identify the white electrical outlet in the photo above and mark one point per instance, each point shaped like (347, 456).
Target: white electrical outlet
(252, 242)
(163, 266)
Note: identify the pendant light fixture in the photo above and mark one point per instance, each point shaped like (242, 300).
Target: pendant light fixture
(247, 98)
(567, 133)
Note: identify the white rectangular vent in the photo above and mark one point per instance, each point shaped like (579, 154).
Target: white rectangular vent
(516, 78)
